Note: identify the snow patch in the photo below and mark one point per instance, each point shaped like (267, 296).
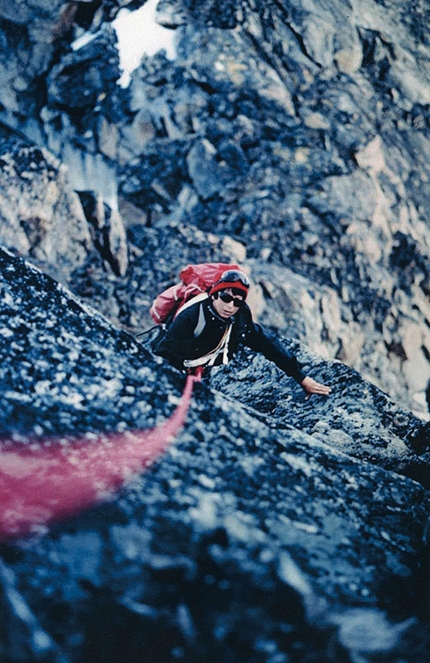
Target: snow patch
(139, 34)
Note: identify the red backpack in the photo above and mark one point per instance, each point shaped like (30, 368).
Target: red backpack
(195, 280)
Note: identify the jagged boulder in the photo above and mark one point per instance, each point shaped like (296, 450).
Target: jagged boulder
(51, 92)
(33, 38)
(263, 534)
(40, 215)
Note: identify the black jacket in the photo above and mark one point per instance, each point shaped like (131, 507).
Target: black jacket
(179, 342)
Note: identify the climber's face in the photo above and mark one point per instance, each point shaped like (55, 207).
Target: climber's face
(226, 303)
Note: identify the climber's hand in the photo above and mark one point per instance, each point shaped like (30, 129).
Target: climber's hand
(311, 386)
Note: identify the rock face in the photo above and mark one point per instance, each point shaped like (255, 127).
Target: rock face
(40, 216)
(300, 132)
(263, 534)
(292, 139)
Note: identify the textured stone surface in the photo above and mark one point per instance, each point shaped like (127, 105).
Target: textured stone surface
(263, 534)
(299, 131)
(40, 215)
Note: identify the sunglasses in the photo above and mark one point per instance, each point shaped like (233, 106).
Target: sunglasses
(225, 297)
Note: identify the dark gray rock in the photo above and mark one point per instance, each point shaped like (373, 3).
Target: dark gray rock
(311, 121)
(85, 76)
(257, 537)
(37, 205)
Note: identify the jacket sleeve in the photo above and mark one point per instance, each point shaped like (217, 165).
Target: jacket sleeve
(270, 346)
(177, 342)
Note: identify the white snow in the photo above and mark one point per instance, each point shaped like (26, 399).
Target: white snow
(138, 34)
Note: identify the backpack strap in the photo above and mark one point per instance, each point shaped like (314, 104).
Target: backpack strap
(201, 322)
(194, 300)
(210, 358)
(227, 341)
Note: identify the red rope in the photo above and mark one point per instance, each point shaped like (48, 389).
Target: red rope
(43, 484)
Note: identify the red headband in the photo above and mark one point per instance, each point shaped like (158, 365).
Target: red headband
(223, 285)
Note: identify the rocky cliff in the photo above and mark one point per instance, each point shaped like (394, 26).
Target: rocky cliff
(292, 138)
(274, 528)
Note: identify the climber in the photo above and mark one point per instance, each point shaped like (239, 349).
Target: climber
(209, 331)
